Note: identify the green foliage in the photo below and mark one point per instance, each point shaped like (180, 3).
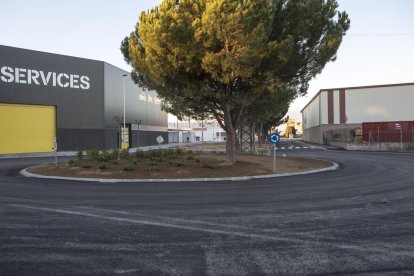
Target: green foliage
(154, 168)
(178, 151)
(105, 156)
(139, 154)
(152, 163)
(172, 156)
(190, 157)
(222, 58)
(124, 154)
(79, 155)
(114, 154)
(92, 154)
(128, 168)
(208, 165)
(103, 166)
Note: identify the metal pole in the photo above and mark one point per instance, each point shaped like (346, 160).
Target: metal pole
(401, 142)
(123, 93)
(274, 157)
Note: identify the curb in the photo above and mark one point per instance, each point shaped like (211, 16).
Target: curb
(334, 166)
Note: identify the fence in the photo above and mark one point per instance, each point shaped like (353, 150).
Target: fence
(382, 140)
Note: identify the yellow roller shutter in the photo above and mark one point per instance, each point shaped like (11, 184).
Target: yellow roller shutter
(27, 128)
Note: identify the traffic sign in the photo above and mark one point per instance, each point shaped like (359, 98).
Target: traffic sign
(274, 138)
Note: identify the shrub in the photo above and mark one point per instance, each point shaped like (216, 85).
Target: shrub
(172, 156)
(115, 162)
(208, 165)
(92, 154)
(105, 156)
(178, 151)
(124, 154)
(128, 168)
(114, 154)
(139, 153)
(102, 166)
(154, 168)
(197, 160)
(71, 162)
(135, 161)
(79, 155)
(85, 166)
(190, 157)
(152, 163)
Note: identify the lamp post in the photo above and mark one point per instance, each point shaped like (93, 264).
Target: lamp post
(123, 93)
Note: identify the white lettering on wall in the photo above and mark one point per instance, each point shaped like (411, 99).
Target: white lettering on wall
(38, 77)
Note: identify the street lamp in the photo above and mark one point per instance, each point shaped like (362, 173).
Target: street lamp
(123, 92)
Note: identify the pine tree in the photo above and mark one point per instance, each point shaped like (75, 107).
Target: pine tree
(220, 57)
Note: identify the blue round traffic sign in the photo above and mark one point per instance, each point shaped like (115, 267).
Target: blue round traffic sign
(274, 138)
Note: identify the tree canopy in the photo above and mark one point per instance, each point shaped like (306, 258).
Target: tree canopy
(225, 57)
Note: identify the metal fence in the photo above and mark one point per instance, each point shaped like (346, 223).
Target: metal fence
(382, 140)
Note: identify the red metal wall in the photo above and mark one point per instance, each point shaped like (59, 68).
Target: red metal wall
(388, 132)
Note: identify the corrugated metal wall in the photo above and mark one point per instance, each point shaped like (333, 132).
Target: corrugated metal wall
(324, 108)
(336, 106)
(380, 104)
(311, 114)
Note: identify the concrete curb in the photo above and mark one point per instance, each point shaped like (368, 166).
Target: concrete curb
(334, 166)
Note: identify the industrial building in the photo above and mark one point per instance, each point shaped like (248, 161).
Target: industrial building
(78, 104)
(380, 113)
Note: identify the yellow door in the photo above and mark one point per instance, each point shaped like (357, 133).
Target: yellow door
(27, 128)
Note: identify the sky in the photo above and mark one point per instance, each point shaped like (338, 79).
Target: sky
(378, 48)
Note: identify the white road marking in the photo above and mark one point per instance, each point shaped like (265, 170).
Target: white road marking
(282, 147)
(298, 147)
(305, 147)
(385, 250)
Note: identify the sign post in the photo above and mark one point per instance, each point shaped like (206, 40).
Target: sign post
(55, 148)
(160, 140)
(274, 139)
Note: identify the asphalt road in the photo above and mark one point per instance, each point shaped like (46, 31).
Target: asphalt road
(358, 220)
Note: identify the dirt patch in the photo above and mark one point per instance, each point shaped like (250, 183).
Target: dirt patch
(185, 165)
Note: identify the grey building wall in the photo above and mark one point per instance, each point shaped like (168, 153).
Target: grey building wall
(84, 116)
(141, 106)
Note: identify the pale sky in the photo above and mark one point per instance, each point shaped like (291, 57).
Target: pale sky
(378, 48)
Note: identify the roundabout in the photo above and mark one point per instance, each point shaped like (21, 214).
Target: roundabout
(358, 219)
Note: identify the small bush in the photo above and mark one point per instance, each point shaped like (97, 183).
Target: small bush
(152, 163)
(93, 154)
(135, 161)
(190, 157)
(102, 166)
(124, 154)
(105, 156)
(172, 156)
(115, 162)
(154, 168)
(209, 165)
(85, 166)
(197, 160)
(71, 162)
(79, 155)
(128, 168)
(139, 153)
(188, 150)
(114, 154)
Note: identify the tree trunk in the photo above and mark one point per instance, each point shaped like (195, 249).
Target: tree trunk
(261, 134)
(231, 145)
